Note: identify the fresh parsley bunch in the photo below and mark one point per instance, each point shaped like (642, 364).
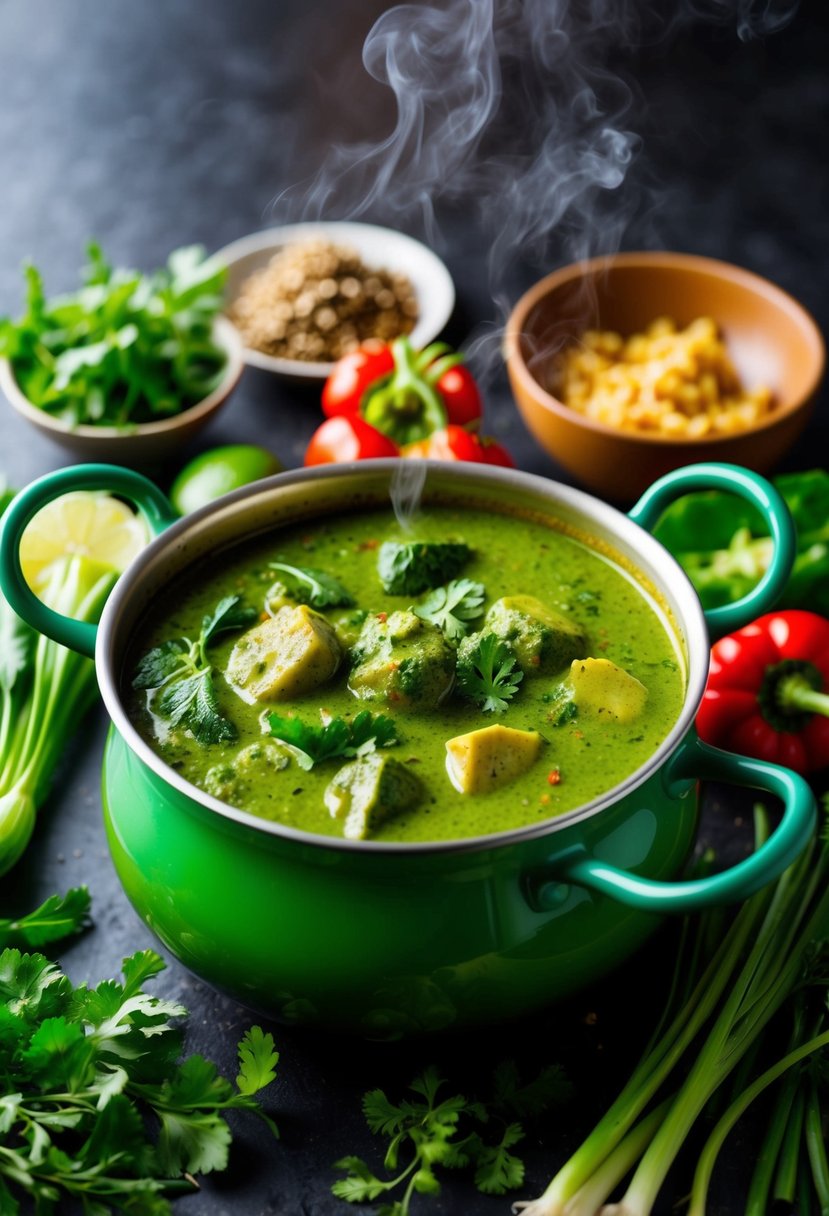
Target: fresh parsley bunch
(93, 1106)
(126, 347)
(430, 1131)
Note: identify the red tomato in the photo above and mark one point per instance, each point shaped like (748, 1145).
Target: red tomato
(352, 375)
(342, 438)
(455, 443)
(460, 395)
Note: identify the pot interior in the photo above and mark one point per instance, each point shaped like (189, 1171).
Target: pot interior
(292, 498)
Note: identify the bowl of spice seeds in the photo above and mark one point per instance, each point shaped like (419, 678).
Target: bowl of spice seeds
(303, 295)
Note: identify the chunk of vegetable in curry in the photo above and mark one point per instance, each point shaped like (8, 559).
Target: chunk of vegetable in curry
(401, 660)
(367, 790)
(543, 641)
(290, 654)
(486, 759)
(393, 725)
(604, 688)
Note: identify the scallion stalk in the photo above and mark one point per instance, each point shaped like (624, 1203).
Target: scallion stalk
(44, 690)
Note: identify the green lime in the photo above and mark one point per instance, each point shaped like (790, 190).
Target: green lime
(218, 471)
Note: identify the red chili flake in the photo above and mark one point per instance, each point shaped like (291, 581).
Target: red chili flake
(393, 665)
(603, 645)
(579, 734)
(264, 616)
(367, 544)
(382, 616)
(554, 776)
(535, 661)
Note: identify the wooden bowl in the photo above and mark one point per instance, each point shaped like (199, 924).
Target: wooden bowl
(143, 443)
(772, 340)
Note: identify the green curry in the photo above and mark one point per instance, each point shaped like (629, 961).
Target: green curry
(345, 677)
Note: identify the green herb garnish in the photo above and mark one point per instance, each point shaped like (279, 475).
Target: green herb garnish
(125, 348)
(488, 673)
(88, 1072)
(57, 917)
(180, 676)
(452, 607)
(429, 1131)
(314, 587)
(413, 568)
(313, 744)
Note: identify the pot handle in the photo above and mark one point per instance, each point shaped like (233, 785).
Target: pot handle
(696, 759)
(761, 494)
(152, 505)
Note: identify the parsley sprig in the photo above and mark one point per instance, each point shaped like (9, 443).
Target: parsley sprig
(88, 1072)
(180, 675)
(313, 587)
(452, 607)
(311, 745)
(488, 673)
(431, 1130)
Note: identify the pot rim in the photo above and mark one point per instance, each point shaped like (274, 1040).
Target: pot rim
(690, 623)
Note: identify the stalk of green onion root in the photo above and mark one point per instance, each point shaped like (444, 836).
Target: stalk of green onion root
(755, 969)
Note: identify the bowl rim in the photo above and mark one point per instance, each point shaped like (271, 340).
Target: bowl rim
(436, 311)
(224, 334)
(110, 650)
(659, 260)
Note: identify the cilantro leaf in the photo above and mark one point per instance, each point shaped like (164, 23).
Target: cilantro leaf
(193, 701)
(257, 1061)
(488, 672)
(57, 917)
(162, 662)
(230, 613)
(311, 586)
(498, 1171)
(409, 569)
(179, 677)
(452, 607)
(360, 1185)
(313, 744)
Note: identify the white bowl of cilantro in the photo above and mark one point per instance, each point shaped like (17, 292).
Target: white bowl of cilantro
(130, 366)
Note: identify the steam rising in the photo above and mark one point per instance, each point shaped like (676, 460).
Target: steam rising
(512, 111)
(406, 489)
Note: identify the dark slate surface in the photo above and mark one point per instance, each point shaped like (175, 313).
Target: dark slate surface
(149, 126)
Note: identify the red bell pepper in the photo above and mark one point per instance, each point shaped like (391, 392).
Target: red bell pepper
(766, 694)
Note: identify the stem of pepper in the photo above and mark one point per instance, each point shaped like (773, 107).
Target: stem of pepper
(407, 407)
(796, 693)
(790, 692)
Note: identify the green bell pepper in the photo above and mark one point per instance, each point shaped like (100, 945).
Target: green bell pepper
(723, 546)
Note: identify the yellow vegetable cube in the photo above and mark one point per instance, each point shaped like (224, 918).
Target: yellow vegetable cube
(491, 757)
(603, 687)
(289, 654)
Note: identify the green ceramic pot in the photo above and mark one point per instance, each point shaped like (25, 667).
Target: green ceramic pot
(387, 939)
